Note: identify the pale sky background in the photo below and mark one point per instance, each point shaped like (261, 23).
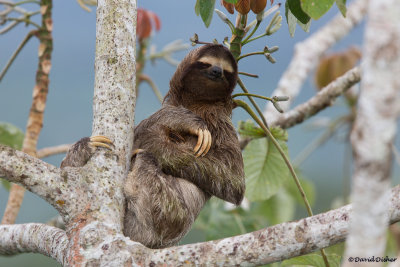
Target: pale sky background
(68, 114)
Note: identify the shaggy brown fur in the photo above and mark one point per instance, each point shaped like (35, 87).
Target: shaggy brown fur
(168, 185)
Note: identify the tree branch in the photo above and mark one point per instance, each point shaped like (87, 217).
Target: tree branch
(374, 131)
(114, 98)
(321, 100)
(39, 177)
(95, 225)
(308, 52)
(33, 237)
(35, 119)
(271, 244)
(53, 150)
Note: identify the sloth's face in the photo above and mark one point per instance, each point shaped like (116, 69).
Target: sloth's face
(215, 69)
(211, 78)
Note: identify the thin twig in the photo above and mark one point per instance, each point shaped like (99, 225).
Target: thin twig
(253, 102)
(248, 74)
(251, 54)
(35, 119)
(6, 11)
(316, 143)
(27, 2)
(9, 27)
(252, 32)
(14, 7)
(16, 52)
(239, 223)
(255, 38)
(146, 78)
(254, 95)
(25, 20)
(396, 154)
(53, 150)
(246, 107)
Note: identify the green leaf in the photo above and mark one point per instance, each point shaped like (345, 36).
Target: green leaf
(197, 8)
(295, 8)
(265, 169)
(313, 260)
(279, 133)
(279, 208)
(231, 1)
(216, 221)
(206, 10)
(305, 27)
(12, 136)
(248, 129)
(341, 4)
(6, 184)
(290, 19)
(316, 8)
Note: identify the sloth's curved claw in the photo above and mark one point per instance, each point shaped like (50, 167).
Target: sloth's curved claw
(203, 142)
(209, 143)
(200, 137)
(100, 141)
(137, 151)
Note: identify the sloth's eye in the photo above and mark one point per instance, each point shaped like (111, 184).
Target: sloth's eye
(202, 65)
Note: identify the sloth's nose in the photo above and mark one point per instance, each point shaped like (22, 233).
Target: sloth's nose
(216, 71)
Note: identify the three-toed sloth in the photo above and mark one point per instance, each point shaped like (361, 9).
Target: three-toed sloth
(184, 153)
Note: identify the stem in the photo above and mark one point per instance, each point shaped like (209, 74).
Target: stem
(255, 38)
(231, 26)
(140, 61)
(246, 107)
(239, 223)
(53, 150)
(144, 77)
(26, 2)
(15, 54)
(309, 149)
(28, 21)
(236, 40)
(396, 154)
(252, 32)
(250, 54)
(258, 96)
(248, 74)
(253, 102)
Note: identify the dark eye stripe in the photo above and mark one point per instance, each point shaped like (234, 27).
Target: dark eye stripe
(228, 73)
(202, 65)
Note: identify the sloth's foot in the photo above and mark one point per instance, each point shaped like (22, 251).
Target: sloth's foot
(204, 141)
(100, 141)
(80, 152)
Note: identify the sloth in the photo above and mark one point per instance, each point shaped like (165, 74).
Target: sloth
(183, 154)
